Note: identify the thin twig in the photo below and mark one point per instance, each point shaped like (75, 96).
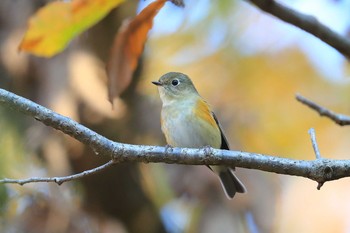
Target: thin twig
(307, 23)
(314, 143)
(62, 179)
(179, 3)
(317, 152)
(340, 119)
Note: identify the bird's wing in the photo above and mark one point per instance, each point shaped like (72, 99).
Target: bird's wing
(224, 143)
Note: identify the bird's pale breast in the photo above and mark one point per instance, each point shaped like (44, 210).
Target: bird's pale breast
(190, 124)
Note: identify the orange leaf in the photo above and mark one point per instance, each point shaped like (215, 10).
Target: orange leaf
(127, 48)
(53, 26)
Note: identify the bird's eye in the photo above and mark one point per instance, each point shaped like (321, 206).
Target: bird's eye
(175, 82)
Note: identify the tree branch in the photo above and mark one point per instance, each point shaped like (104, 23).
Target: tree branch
(314, 143)
(320, 170)
(316, 150)
(340, 119)
(60, 180)
(307, 23)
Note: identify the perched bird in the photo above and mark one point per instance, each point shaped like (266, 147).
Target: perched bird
(187, 121)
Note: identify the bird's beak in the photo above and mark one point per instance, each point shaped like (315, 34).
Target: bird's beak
(157, 83)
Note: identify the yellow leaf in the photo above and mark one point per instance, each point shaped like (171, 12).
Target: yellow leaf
(54, 25)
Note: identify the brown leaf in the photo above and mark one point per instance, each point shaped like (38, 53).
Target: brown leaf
(127, 48)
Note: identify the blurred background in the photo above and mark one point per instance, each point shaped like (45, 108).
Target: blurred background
(248, 65)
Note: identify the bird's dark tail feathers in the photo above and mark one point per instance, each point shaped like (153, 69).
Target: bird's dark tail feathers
(230, 183)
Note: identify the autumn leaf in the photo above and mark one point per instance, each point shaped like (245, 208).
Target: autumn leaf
(128, 46)
(56, 24)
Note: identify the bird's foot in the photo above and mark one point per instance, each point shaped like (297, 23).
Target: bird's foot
(168, 147)
(208, 150)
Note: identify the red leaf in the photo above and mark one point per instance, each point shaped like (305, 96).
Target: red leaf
(127, 48)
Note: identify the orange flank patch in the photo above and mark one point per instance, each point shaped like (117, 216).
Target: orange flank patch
(202, 111)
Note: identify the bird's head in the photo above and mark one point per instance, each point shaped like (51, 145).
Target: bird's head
(174, 86)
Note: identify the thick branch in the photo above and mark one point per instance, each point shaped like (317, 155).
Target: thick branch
(306, 22)
(340, 119)
(320, 170)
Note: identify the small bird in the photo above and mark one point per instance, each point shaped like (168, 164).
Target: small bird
(187, 121)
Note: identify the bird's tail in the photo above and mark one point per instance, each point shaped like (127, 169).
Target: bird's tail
(230, 183)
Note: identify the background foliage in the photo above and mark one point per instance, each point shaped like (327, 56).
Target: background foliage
(246, 64)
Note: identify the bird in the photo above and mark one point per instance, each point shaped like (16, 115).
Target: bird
(188, 122)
